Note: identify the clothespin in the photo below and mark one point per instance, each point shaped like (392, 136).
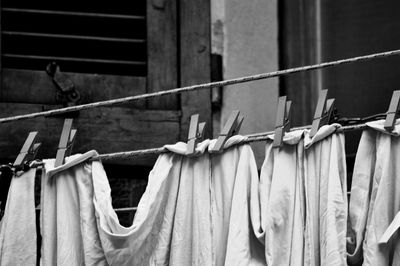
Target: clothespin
(283, 117)
(196, 133)
(231, 128)
(28, 151)
(66, 142)
(322, 112)
(392, 113)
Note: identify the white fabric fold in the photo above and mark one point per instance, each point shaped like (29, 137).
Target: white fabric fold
(235, 207)
(303, 199)
(326, 200)
(195, 211)
(322, 133)
(204, 146)
(293, 137)
(375, 198)
(379, 126)
(18, 225)
(281, 198)
(70, 162)
(68, 221)
(171, 225)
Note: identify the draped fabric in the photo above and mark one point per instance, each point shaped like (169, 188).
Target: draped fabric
(195, 211)
(282, 197)
(210, 209)
(18, 225)
(172, 222)
(326, 202)
(375, 198)
(303, 199)
(68, 223)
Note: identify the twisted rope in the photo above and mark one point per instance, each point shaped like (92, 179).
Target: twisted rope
(199, 87)
(250, 138)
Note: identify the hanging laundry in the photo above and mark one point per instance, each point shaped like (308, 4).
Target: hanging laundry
(303, 199)
(172, 223)
(18, 226)
(235, 206)
(375, 197)
(195, 211)
(282, 203)
(325, 198)
(68, 222)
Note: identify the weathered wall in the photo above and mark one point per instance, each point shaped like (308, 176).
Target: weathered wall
(249, 45)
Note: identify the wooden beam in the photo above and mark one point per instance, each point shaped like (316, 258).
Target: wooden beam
(28, 86)
(103, 129)
(195, 61)
(162, 67)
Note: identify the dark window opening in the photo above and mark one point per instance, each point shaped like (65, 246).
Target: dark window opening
(100, 37)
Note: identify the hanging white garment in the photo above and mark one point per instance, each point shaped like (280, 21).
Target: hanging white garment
(68, 221)
(303, 199)
(375, 197)
(18, 226)
(326, 198)
(172, 222)
(195, 211)
(235, 206)
(281, 193)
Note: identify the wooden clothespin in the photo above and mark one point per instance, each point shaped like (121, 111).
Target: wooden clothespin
(283, 117)
(196, 133)
(392, 113)
(66, 142)
(231, 128)
(322, 112)
(28, 151)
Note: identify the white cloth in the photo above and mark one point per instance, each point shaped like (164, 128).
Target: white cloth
(375, 197)
(235, 205)
(195, 211)
(18, 226)
(326, 199)
(68, 221)
(172, 222)
(303, 199)
(282, 200)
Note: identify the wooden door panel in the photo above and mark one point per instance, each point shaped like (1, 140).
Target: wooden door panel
(106, 129)
(171, 62)
(162, 51)
(29, 86)
(195, 62)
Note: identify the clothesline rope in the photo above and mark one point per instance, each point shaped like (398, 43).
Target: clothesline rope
(250, 138)
(200, 86)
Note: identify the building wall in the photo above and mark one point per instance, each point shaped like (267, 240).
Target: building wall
(246, 34)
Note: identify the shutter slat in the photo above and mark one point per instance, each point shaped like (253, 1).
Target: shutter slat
(79, 38)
